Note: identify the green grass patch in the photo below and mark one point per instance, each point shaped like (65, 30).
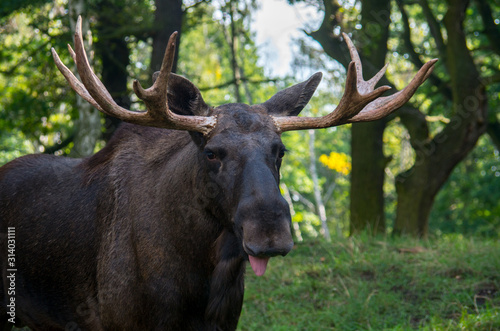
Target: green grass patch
(370, 284)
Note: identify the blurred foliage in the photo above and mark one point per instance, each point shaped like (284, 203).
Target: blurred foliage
(209, 67)
(469, 203)
(37, 108)
(9, 6)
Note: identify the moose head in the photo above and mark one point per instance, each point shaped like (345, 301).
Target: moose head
(239, 145)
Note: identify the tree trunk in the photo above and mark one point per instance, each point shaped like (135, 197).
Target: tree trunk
(88, 124)
(320, 206)
(168, 18)
(231, 39)
(494, 132)
(297, 234)
(368, 160)
(367, 178)
(114, 53)
(417, 187)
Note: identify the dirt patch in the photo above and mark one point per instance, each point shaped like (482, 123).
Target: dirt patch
(485, 292)
(412, 250)
(417, 321)
(458, 273)
(367, 275)
(407, 294)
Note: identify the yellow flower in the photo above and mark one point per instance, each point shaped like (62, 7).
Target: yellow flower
(337, 161)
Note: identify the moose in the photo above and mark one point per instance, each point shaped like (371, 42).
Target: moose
(153, 232)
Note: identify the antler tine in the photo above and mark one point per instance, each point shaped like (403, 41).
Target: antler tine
(156, 100)
(103, 88)
(73, 81)
(155, 97)
(352, 100)
(161, 82)
(354, 57)
(363, 86)
(383, 106)
(96, 88)
(360, 101)
(158, 115)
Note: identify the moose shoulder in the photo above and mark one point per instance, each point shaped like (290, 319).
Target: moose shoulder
(154, 231)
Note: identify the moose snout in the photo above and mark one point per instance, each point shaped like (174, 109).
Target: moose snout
(262, 218)
(258, 250)
(266, 230)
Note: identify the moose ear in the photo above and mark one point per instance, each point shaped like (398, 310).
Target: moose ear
(183, 97)
(292, 100)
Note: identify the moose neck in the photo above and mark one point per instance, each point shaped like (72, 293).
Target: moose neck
(157, 211)
(166, 197)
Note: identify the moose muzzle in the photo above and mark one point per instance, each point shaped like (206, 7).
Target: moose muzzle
(265, 230)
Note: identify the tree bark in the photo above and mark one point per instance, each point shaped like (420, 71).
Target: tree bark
(367, 178)
(88, 124)
(368, 160)
(436, 158)
(114, 53)
(320, 206)
(168, 18)
(231, 39)
(297, 234)
(494, 132)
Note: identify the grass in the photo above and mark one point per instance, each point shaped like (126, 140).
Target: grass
(368, 284)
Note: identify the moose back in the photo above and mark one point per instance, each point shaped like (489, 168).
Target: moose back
(154, 231)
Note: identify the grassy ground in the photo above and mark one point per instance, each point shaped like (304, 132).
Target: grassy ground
(368, 284)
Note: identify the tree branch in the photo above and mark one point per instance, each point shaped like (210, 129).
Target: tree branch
(304, 200)
(231, 41)
(414, 56)
(493, 131)
(329, 191)
(490, 28)
(56, 147)
(20, 63)
(416, 124)
(435, 29)
(231, 82)
(331, 44)
(196, 4)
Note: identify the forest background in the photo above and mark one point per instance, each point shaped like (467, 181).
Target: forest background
(430, 169)
(396, 221)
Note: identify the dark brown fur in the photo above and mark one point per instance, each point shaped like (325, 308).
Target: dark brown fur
(151, 232)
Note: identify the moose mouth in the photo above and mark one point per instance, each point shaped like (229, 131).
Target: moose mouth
(259, 264)
(259, 258)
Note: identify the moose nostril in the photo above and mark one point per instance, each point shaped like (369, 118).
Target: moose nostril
(255, 250)
(252, 250)
(285, 250)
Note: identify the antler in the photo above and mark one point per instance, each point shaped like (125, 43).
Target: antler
(157, 115)
(360, 102)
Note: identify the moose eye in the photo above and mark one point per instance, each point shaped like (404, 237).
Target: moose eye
(210, 155)
(281, 153)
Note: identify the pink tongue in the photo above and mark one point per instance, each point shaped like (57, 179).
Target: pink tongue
(258, 264)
